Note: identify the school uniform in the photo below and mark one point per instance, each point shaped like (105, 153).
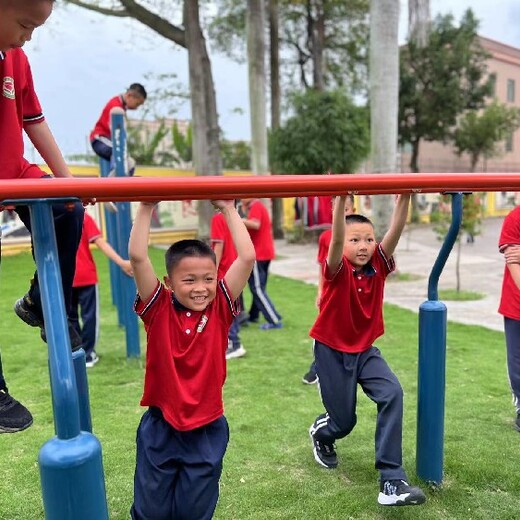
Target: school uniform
(510, 305)
(85, 294)
(219, 233)
(263, 243)
(350, 320)
(101, 135)
(183, 436)
(20, 108)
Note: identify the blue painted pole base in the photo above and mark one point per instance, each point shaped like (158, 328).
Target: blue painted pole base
(431, 390)
(80, 370)
(71, 473)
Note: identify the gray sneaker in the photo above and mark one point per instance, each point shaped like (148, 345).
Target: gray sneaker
(400, 493)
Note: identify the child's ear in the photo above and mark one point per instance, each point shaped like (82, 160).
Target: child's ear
(167, 282)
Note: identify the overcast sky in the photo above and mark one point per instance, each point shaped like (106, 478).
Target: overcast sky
(80, 60)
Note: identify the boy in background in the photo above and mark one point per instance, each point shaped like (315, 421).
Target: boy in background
(350, 320)
(101, 135)
(85, 294)
(182, 437)
(311, 377)
(20, 111)
(225, 254)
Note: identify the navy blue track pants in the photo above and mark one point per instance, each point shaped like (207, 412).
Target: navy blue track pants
(177, 473)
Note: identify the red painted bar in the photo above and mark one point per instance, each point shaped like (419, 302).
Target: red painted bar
(212, 187)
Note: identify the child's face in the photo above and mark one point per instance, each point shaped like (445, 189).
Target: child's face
(19, 18)
(360, 243)
(133, 101)
(194, 282)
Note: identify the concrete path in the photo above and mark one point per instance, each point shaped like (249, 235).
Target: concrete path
(481, 268)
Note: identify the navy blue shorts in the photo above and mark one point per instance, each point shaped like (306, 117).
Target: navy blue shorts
(177, 473)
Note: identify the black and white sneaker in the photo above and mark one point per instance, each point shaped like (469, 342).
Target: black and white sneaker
(400, 493)
(324, 454)
(310, 378)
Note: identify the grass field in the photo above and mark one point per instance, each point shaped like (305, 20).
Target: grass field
(269, 471)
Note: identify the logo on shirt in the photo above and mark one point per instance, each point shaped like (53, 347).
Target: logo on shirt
(8, 87)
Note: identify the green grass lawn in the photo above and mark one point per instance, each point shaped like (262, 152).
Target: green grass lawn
(269, 471)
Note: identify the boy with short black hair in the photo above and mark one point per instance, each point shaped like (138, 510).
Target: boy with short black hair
(101, 135)
(353, 289)
(20, 111)
(182, 437)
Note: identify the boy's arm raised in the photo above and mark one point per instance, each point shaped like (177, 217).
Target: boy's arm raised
(239, 271)
(337, 241)
(399, 216)
(145, 277)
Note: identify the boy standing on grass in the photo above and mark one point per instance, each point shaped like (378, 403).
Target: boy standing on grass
(182, 437)
(20, 111)
(350, 320)
(85, 294)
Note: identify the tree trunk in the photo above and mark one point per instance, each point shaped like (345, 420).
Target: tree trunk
(318, 43)
(206, 140)
(414, 168)
(384, 91)
(274, 52)
(419, 21)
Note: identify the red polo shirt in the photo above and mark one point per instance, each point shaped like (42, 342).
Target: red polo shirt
(186, 356)
(510, 297)
(220, 233)
(351, 308)
(86, 273)
(262, 238)
(19, 108)
(102, 127)
(323, 246)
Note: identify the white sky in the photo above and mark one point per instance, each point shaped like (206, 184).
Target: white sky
(80, 60)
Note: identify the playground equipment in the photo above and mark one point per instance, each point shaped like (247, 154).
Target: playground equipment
(72, 460)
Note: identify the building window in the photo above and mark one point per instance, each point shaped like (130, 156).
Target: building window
(509, 143)
(511, 90)
(493, 84)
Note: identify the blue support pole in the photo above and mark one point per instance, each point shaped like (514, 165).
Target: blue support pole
(432, 363)
(71, 467)
(124, 225)
(111, 229)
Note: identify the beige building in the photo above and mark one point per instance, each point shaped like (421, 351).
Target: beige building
(504, 67)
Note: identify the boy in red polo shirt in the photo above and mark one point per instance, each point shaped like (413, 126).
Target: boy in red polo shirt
(258, 223)
(20, 111)
(225, 253)
(85, 296)
(350, 320)
(509, 244)
(183, 435)
(101, 135)
(311, 377)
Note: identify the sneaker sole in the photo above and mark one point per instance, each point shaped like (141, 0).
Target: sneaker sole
(315, 453)
(5, 429)
(241, 352)
(401, 500)
(305, 382)
(26, 316)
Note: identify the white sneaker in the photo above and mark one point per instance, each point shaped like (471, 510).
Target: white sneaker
(237, 352)
(91, 360)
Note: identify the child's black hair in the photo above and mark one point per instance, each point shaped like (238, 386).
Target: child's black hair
(138, 89)
(184, 248)
(355, 218)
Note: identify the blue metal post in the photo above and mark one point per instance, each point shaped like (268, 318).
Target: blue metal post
(432, 363)
(71, 467)
(111, 228)
(124, 225)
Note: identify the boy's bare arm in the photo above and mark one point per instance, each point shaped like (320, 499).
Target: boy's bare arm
(145, 277)
(111, 253)
(338, 234)
(43, 140)
(514, 269)
(239, 271)
(399, 216)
